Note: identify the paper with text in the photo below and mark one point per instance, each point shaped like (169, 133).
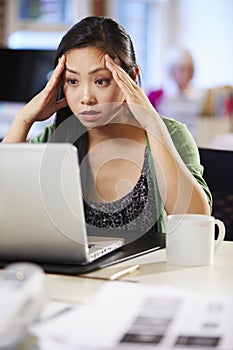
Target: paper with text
(126, 316)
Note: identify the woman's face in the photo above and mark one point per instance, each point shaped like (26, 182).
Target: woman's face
(89, 87)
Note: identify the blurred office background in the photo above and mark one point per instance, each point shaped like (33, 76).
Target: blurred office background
(205, 27)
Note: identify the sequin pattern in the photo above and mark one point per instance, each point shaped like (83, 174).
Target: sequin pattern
(135, 211)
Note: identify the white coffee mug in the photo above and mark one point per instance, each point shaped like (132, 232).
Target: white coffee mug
(190, 239)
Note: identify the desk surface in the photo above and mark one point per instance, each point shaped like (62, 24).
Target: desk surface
(212, 280)
(215, 280)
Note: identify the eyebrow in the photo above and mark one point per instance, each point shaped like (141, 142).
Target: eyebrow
(96, 70)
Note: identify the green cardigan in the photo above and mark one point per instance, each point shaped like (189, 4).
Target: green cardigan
(186, 148)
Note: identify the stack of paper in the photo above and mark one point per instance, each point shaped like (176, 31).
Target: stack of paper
(130, 316)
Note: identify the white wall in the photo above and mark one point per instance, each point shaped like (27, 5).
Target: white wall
(206, 28)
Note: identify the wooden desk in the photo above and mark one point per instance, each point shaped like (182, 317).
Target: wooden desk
(216, 279)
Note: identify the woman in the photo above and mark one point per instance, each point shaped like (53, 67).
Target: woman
(137, 166)
(179, 86)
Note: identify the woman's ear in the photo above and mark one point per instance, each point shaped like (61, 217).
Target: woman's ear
(137, 72)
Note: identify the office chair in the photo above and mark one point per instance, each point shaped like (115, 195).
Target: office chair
(218, 173)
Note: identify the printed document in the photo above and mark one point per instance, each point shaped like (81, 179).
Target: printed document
(130, 316)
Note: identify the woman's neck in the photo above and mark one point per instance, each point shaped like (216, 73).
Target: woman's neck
(115, 131)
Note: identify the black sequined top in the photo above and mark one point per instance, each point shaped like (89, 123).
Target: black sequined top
(135, 211)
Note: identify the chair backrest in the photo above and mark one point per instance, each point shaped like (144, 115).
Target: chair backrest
(218, 173)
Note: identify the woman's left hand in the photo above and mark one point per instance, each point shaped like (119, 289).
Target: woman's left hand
(135, 97)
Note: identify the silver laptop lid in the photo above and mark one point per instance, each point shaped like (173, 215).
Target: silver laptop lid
(41, 205)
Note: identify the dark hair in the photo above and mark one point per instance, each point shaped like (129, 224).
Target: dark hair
(109, 37)
(105, 34)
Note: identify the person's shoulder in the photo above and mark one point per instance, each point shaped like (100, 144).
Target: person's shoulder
(181, 136)
(45, 135)
(172, 124)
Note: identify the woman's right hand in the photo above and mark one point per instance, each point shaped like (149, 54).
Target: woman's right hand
(45, 103)
(40, 108)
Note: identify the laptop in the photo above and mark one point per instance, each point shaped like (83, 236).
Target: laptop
(41, 207)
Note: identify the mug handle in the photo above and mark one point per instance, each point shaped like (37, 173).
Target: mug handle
(221, 233)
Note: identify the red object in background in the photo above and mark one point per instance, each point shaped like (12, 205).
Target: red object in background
(155, 97)
(228, 106)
